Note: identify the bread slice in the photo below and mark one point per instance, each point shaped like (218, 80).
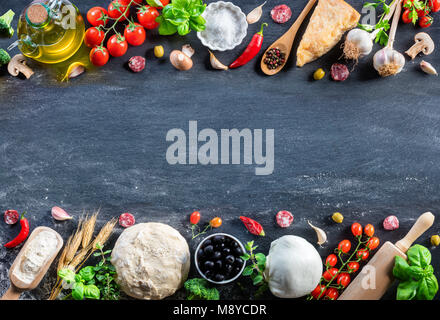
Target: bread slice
(330, 20)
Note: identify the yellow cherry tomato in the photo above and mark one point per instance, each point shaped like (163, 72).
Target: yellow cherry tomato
(216, 222)
(319, 74)
(337, 217)
(159, 51)
(435, 240)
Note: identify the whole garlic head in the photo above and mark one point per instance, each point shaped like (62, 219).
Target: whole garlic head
(358, 43)
(388, 62)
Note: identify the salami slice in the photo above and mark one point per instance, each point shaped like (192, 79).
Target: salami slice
(284, 218)
(281, 13)
(391, 223)
(11, 216)
(339, 72)
(137, 63)
(126, 220)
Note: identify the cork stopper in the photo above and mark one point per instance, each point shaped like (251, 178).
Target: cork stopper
(37, 14)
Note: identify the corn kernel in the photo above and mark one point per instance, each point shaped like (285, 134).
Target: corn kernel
(319, 74)
(435, 240)
(337, 217)
(158, 51)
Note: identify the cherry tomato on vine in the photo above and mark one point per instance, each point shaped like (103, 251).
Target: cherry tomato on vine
(135, 34)
(331, 294)
(116, 10)
(195, 217)
(434, 5)
(343, 279)
(97, 16)
(423, 12)
(344, 246)
(99, 56)
(318, 292)
(356, 229)
(127, 2)
(407, 3)
(147, 17)
(117, 46)
(369, 230)
(406, 16)
(363, 254)
(331, 260)
(93, 37)
(373, 243)
(425, 22)
(353, 266)
(216, 222)
(330, 273)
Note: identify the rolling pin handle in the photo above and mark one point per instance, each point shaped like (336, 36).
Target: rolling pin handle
(11, 294)
(423, 223)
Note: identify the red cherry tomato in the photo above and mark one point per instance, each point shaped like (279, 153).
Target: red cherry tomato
(363, 254)
(318, 292)
(116, 10)
(195, 217)
(97, 16)
(147, 17)
(407, 3)
(373, 243)
(127, 2)
(331, 294)
(94, 37)
(216, 222)
(369, 230)
(344, 246)
(99, 56)
(165, 2)
(343, 279)
(434, 5)
(353, 266)
(356, 229)
(117, 46)
(426, 21)
(406, 16)
(331, 260)
(330, 273)
(423, 12)
(135, 34)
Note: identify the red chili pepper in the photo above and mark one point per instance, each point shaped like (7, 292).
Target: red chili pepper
(24, 232)
(251, 51)
(253, 226)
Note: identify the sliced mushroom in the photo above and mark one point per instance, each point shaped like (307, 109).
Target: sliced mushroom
(181, 60)
(18, 65)
(423, 44)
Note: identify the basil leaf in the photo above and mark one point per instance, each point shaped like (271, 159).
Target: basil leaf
(416, 273)
(178, 21)
(92, 292)
(419, 256)
(199, 20)
(196, 27)
(166, 28)
(183, 29)
(78, 291)
(401, 268)
(154, 3)
(181, 3)
(427, 288)
(407, 290)
(67, 275)
(87, 273)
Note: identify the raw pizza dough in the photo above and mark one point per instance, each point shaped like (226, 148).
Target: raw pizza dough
(152, 261)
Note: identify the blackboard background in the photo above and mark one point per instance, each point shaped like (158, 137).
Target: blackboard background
(368, 147)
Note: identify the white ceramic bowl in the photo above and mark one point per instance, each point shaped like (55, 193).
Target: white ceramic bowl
(197, 262)
(213, 36)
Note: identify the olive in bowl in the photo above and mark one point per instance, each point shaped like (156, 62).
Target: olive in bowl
(218, 258)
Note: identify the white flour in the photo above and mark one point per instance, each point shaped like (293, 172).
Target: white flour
(37, 253)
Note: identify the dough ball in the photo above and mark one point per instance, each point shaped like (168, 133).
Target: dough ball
(152, 261)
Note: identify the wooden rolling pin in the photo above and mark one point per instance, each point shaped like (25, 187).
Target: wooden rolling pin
(382, 265)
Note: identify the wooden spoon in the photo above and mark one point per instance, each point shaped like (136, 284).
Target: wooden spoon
(17, 286)
(285, 42)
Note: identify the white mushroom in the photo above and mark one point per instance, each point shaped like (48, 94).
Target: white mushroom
(423, 44)
(18, 65)
(181, 60)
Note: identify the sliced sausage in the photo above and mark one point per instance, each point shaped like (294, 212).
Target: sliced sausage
(281, 13)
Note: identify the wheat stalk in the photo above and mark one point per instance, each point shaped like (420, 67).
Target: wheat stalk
(88, 229)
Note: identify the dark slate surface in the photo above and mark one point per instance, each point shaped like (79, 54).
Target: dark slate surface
(368, 147)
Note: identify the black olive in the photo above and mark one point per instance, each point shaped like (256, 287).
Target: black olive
(218, 264)
(228, 268)
(209, 274)
(209, 265)
(226, 251)
(235, 244)
(220, 245)
(219, 277)
(238, 262)
(200, 254)
(209, 250)
(237, 270)
(217, 255)
(230, 259)
(218, 239)
(207, 243)
(238, 251)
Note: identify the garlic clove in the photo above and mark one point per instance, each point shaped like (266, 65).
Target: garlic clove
(215, 63)
(255, 15)
(60, 215)
(322, 236)
(188, 50)
(428, 68)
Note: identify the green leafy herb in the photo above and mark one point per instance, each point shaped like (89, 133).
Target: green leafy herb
(182, 16)
(198, 289)
(383, 25)
(255, 270)
(93, 282)
(416, 276)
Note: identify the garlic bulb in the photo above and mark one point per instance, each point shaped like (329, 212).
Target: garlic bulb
(388, 62)
(358, 43)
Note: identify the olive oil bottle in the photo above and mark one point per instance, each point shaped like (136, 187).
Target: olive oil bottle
(50, 31)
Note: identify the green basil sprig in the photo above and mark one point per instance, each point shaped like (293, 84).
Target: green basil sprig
(417, 279)
(182, 16)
